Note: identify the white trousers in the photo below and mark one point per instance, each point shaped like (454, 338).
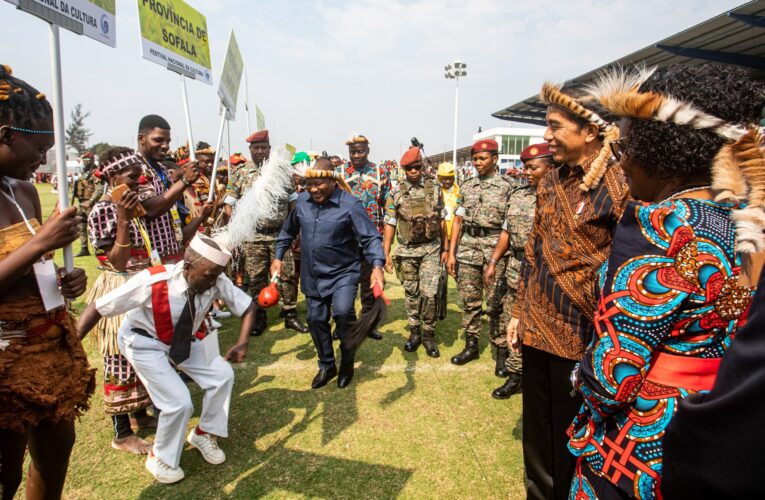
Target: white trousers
(149, 357)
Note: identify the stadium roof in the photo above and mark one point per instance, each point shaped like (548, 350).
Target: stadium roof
(734, 37)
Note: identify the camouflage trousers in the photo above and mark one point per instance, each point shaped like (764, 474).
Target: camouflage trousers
(471, 289)
(82, 213)
(419, 277)
(257, 264)
(512, 275)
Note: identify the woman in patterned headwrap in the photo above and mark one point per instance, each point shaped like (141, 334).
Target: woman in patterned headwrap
(674, 290)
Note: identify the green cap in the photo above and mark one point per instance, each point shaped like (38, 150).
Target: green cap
(300, 157)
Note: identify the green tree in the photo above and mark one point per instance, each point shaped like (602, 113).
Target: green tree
(76, 134)
(99, 148)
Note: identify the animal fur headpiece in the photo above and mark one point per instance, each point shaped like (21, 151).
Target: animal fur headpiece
(738, 169)
(311, 173)
(552, 96)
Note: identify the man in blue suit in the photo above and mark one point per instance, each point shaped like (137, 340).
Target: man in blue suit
(332, 224)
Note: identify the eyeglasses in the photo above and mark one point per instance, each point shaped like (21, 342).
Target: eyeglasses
(617, 147)
(413, 167)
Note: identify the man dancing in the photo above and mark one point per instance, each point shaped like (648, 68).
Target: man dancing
(333, 224)
(164, 331)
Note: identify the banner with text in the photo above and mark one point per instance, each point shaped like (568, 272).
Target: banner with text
(174, 35)
(231, 77)
(93, 18)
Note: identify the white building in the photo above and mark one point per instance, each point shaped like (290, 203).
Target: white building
(511, 140)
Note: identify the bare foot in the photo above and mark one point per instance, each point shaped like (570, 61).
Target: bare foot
(144, 423)
(132, 444)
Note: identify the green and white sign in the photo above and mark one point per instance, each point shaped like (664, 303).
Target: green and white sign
(174, 35)
(93, 18)
(233, 66)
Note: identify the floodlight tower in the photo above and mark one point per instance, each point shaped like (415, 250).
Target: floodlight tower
(455, 71)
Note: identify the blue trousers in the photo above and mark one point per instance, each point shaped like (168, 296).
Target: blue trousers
(341, 307)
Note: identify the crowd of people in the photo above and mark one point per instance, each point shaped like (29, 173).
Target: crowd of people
(616, 278)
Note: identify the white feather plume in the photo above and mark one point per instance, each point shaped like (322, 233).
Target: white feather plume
(259, 202)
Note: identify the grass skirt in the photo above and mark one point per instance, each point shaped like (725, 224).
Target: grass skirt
(45, 376)
(123, 390)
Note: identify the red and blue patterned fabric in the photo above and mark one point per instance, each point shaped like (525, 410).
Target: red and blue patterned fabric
(669, 291)
(371, 186)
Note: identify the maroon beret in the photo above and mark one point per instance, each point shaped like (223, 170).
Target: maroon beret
(412, 155)
(485, 145)
(259, 136)
(535, 151)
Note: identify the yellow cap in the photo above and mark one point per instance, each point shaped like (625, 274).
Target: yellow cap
(446, 169)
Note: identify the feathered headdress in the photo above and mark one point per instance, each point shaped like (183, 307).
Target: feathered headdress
(552, 96)
(259, 202)
(738, 169)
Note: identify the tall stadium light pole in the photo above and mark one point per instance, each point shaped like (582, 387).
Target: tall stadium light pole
(455, 71)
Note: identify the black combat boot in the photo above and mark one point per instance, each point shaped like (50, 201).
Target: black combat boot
(511, 386)
(84, 252)
(500, 368)
(261, 323)
(292, 322)
(469, 353)
(415, 339)
(431, 348)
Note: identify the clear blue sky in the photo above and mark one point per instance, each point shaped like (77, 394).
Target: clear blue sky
(322, 70)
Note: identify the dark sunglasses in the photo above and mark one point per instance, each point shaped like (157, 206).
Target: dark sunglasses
(413, 167)
(617, 147)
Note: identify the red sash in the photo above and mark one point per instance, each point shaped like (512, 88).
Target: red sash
(160, 304)
(697, 374)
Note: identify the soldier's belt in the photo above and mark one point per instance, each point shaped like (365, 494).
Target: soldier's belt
(478, 231)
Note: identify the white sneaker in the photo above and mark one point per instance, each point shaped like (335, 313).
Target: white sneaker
(163, 472)
(214, 324)
(218, 314)
(207, 444)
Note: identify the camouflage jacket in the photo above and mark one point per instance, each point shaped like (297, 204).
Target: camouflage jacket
(520, 217)
(89, 189)
(239, 182)
(485, 202)
(408, 205)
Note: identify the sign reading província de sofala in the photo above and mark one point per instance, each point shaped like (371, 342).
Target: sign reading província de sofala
(97, 17)
(174, 34)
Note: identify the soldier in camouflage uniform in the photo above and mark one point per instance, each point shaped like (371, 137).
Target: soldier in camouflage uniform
(87, 190)
(259, 253)
(537, 160)
(475, 231)
(415, 207)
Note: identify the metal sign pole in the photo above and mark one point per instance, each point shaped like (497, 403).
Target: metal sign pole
(214, 174)
(192, 146)
(58, 131)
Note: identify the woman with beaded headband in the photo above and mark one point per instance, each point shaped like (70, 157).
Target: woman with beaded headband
(46, 381)
(672, 294)
(116, 231)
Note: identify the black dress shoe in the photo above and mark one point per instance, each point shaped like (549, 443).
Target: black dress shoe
(324, 376)
(431, 348)
(415, 339)
(261, 323)
(346, 375)
(83, 253)
(511, 386)
(292, 322)
(469, 353)
(374, 334)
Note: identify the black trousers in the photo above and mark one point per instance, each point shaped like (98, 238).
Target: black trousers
(548, 409)
(339, 306)
(365, 280)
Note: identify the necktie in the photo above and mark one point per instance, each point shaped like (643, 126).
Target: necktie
(181, 345)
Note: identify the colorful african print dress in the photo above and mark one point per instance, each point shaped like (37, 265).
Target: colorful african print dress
(669, 306)
(123, 390)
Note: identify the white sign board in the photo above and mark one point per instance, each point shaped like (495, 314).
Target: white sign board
(233, 66)
(93, 18)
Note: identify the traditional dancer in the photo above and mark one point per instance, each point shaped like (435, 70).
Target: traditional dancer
(117, 234)
(45, 382)
(164, 307)
(333, 225)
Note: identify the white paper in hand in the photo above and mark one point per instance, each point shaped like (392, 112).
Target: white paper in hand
(47, 281)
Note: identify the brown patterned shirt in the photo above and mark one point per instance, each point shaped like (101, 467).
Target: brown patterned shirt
(569, 241)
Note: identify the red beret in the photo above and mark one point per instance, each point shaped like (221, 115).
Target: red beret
(412, 155)
(485, 145)
(259, 136)
(87, 155)
(535, 151)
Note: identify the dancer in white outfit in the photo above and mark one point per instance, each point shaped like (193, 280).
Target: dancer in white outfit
(165, 307)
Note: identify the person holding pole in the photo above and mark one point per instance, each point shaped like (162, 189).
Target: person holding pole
(160, 194)
(45, 378)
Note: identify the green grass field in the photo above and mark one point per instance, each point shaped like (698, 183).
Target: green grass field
(408, 427)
